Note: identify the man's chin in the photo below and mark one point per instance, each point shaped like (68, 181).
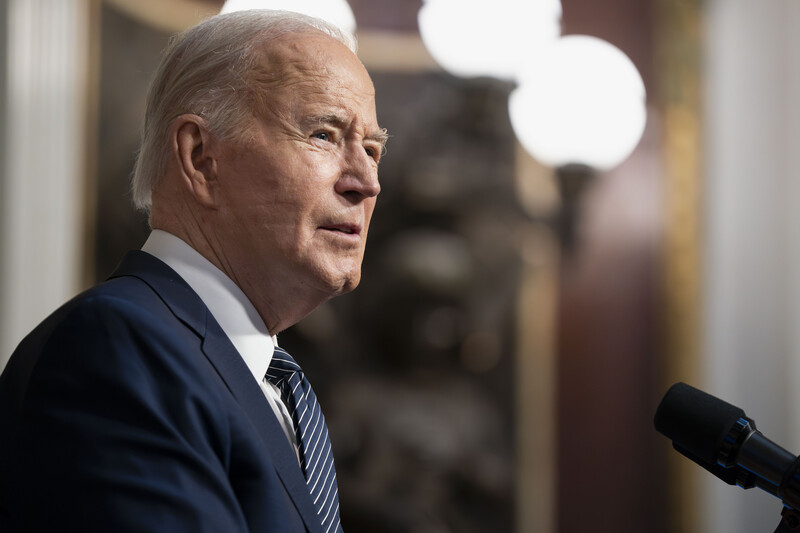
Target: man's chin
(337, 279)
(348, 284)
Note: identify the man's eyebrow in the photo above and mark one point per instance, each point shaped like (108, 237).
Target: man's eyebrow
(329, 118)
(381, 136)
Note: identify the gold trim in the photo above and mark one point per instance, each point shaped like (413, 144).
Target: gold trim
(90, 153)
(394, 52)
(679, 48)
(535, 370)
(172, 16)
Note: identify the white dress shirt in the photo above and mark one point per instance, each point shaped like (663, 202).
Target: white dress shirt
(232, 310)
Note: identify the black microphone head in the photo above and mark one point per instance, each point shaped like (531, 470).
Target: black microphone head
(696, 421)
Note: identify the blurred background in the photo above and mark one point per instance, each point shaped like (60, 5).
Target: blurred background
(550, 251)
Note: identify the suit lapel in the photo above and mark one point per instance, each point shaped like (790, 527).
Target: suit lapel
(189, 308)
(233, 370)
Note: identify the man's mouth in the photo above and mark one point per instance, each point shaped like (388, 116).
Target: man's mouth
(347, 229)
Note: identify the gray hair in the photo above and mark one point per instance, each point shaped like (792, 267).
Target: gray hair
(206, 71)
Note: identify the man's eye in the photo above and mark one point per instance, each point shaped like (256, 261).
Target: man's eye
(322, 135)
(373, 152)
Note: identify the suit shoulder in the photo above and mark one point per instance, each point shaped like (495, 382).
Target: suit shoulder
(122, 324)
(121, 300)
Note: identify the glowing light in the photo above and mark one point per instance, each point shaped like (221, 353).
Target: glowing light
(472, 38)
(336, 12)
(582, 101)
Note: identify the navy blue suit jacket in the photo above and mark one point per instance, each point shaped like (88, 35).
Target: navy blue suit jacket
(129, 409)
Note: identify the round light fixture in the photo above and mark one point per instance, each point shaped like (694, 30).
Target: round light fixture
(471, 38)
(581, 101)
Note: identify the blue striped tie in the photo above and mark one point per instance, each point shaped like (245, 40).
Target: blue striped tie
(316, 458)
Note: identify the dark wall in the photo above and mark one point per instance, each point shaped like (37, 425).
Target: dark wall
(611, 471)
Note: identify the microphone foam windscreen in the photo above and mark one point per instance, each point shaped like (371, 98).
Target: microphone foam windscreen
(695, 420)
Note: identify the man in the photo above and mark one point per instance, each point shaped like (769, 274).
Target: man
(158, 400)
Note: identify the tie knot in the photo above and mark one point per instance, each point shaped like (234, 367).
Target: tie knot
(281, 367)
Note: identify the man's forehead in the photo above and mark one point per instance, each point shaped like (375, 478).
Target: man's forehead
(305, 54)
(316, 73)
(322, 98)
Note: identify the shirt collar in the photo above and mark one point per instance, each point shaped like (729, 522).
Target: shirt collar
(228, 304)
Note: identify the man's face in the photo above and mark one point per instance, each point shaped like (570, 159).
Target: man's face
(298, 192)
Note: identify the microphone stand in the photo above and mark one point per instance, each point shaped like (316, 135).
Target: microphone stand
(790, 522)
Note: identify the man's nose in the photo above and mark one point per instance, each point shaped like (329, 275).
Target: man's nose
(360, 174)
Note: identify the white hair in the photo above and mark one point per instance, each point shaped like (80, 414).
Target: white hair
(208, 71)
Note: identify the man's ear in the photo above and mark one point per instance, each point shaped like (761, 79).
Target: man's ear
(194, 150)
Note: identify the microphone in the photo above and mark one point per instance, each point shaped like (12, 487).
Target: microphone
(722, 439)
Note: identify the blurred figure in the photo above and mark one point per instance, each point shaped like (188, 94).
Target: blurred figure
(159, 400)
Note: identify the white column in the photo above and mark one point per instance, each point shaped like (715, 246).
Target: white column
(752, 313)
(43, 198)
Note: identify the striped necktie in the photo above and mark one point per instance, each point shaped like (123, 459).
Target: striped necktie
(316, 459)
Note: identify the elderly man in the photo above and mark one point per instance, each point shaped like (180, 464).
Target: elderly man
(159, 400)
